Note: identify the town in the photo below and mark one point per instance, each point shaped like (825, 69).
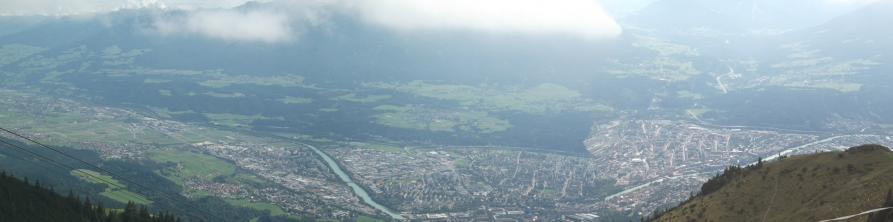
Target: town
(634, 166)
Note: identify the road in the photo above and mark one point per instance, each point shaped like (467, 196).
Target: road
(792, 150)
(856, 215)
(784, 152)
(662, 179)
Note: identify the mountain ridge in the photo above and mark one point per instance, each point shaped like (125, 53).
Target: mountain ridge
(800, 188)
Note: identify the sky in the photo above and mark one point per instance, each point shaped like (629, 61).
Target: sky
(582, 18)
(848, 2)
(585, 19)
(55, 7)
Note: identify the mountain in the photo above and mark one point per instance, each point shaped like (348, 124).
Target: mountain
(799, 188)
(23, 201)
(734, 16)
(853, 35)
(345, 48)
(345, 54)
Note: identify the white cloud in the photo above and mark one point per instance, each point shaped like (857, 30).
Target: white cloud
(80, 7)
(230, 25)
(275, 22)
(283, 20)
(72, 7)
(582, 18)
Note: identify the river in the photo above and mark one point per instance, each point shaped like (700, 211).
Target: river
(357, 189)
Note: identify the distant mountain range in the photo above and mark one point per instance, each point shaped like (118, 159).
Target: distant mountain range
(736, 16)
(348, 48)
(799, 188)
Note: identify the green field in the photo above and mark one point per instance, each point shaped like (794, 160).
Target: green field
(246, 179)
(15, 52)
(115, 56)
(304, 137)
(235, 120)
(362, 218)
(113, 189)
(685, 94)
(165, 92)
(460, 163)
(663, 47)
(670, 64)
(228, 80)
(543, 98)
(549, 193)
(418, 118)
(167, 113)
(352, 97)
(39, 63)
(698, 112)
(380, 147)
(191, 165)
(224, 95)
(273, 209)
(842, 87)
(662, 68)
(156, 81)
(73, 127)
(295, 100)
(807, 69)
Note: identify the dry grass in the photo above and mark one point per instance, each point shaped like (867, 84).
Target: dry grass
(800, 188)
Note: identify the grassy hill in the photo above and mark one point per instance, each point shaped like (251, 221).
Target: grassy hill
(799, 188)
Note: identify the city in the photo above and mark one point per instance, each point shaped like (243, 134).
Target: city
(633, 166)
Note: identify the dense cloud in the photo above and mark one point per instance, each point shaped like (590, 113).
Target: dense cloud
(220, 20)
(230, 25)
(72, 7)
(582, 18)
(280, 21)
(64, 7)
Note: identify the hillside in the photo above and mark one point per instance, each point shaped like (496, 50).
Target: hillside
(23, 201)
(800, 188)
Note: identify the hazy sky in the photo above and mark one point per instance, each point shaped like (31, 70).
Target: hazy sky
(212, 18)
(584, 19)
(55, 7)
(587, 19)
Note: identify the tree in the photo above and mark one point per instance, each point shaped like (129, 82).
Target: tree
(21, 201)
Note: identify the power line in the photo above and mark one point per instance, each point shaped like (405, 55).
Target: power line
(68, 167)
(164, 194)
(62, 165)
(24, 158)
